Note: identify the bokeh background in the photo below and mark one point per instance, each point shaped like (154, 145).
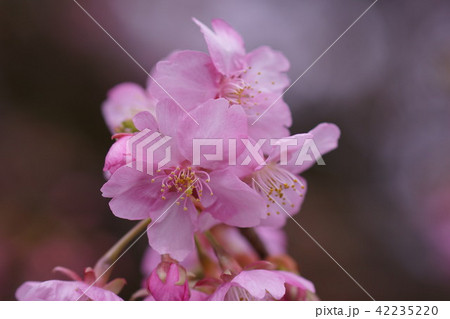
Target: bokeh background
(381, 206)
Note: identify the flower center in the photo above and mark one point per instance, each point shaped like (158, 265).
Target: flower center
(273, 182)
(189, 182)
(237, 91)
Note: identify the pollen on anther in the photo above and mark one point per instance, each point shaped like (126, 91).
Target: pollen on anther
(268, 214)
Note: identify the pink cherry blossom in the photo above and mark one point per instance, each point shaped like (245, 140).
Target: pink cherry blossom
(261, 284)
(124, 101)
(76, 289)
(253, 80)
(173, 196)
(280, 185)
(59, 290)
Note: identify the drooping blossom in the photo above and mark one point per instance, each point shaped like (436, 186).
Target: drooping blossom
(278, 181)
(262, 284)
(123, 102)
(254, 80)
(74, 290)
(182, 198)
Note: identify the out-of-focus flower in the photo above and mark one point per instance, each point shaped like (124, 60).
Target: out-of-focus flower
(123, 102)
(239, 248)
(254, 80)
(77, 289)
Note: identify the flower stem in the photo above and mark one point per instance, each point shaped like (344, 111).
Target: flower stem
(225, 260)
(254, 240)
(114, 252)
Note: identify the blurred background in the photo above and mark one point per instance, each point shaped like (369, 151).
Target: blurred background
(381, 206)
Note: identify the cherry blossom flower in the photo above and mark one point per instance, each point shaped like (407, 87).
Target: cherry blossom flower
(175, 194)
(124, 101)
(279, 183)
(253, 80)
(262, 284)
(77, 289)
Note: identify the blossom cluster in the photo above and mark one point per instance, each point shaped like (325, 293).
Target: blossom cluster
(214, 223)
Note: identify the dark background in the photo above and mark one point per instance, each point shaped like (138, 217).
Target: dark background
(381, 206)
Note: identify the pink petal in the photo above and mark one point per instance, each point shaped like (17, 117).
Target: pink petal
(169, 116)
(116, 157)
(268, 69)
(145, 120)
(217, 120)
(297, 281)
(133, 194)
(188, 76)
(124, 101)
(259, 282)
(225, 46)
(169, 289)
(220, 293)
(58, 290)
(235, 203)
(325, 137)
(174, 233)
(273, 123)
(287, 148)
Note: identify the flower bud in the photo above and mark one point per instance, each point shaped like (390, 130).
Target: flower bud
(168, 282)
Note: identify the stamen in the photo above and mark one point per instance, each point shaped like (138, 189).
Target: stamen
(187, 180)
(273, 182)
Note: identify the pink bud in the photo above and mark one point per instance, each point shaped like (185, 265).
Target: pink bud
(168, 282)
(116, 157)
